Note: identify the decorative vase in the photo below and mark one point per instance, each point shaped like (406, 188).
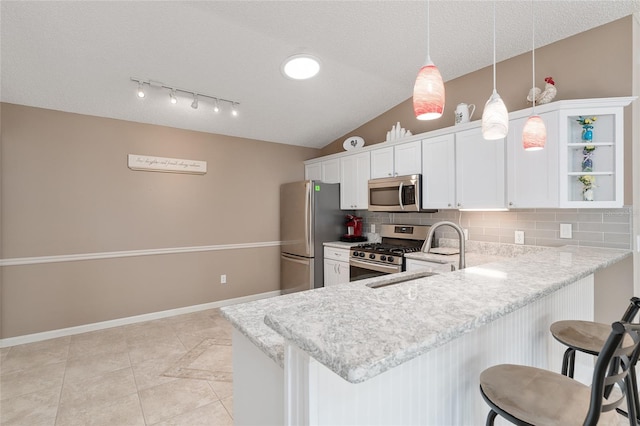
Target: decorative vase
(587, 134)
(587, 194)
(587, 162)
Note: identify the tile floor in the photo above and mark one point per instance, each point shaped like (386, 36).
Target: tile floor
(171, 371)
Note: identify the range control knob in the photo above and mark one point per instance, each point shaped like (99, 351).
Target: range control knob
(361, 254)
(355, 254)
(390, 258)
(372, 256)
(383, 257)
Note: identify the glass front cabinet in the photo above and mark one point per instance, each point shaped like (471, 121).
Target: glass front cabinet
(592, 154)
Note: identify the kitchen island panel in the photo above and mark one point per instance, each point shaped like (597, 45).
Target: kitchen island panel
(441, 386)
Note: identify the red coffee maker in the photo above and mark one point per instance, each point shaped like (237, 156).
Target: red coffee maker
(354, 229)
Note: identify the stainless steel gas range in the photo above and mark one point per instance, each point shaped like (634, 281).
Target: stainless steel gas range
(386, 257)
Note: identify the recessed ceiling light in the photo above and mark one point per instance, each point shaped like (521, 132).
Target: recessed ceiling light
(301, 67)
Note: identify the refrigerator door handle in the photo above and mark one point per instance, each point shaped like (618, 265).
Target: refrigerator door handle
(296, 259)
(307, 217)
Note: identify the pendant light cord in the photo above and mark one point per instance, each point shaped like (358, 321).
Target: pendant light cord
(428, 33)
(494, 46)
(533, 56)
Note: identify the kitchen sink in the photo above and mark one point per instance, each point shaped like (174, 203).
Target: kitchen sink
(400, 280)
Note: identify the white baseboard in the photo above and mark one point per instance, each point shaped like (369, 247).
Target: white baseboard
(46, 335)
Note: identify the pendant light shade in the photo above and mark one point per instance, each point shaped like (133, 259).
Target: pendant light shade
(495, 118)
(534, 134)
(428, 93)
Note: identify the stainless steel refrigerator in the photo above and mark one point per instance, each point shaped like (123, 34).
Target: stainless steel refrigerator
(310, 215)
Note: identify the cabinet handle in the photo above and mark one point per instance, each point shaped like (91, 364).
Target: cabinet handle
(449, 205)
(459, 205)
(510, 203)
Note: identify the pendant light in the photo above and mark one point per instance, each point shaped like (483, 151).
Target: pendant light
(495, 117)
(534, 133)
(428, 91)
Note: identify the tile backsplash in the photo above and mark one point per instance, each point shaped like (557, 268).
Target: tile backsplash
(610, 228)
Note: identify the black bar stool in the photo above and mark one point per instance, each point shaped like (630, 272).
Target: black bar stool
(589, 337)
(532, 396)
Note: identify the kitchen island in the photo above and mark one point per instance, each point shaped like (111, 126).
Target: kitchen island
(408, 353)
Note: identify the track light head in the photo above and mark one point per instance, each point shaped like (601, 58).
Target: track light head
(140, 91)
(172, 96)
(194, 104)
(234, 110)
(216, 108)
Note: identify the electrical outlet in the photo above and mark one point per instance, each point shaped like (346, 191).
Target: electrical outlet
(519, 237)
(466, 234)
(565, 230)
(373, 228)
(223, 279)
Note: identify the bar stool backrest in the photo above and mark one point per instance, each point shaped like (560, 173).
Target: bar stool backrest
(622, 359)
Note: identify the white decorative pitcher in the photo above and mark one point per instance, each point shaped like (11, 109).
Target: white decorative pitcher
(464, 113)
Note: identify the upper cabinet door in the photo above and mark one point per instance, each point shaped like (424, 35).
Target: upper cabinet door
(480, 171)
(408, 158)
(331, 171)
(532, 176)
(354, 181)
(382, 162)
(439, 172)
(313, 171)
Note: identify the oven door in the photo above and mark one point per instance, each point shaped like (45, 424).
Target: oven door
(362, 269)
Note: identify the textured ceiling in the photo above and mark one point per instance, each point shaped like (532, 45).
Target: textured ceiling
(79, 56)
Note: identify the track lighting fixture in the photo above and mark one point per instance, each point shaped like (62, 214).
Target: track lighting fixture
(140, 91)
(173, 91)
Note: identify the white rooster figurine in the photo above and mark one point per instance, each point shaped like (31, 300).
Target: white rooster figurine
(546, 96)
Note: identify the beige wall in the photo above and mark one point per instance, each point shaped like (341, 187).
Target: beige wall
(593, 64)
(66, 189)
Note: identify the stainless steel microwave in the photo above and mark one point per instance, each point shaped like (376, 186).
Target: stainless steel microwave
(395, 194)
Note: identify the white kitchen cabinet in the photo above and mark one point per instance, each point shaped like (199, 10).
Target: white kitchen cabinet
(480, 171)
(607, 158)
(327, 171)
(354, 178)
(313, 171)
(532, 176)
(336, 266)
(439, 172)
(398, 160)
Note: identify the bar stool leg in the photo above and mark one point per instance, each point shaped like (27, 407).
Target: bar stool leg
(491, 417)
(565, 360)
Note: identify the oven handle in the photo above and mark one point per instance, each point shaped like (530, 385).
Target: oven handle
(400, 195)
(389, 269)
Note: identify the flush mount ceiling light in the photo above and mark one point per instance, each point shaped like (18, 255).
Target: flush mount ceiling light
(173, 91)
(534, 133)
(301, 66)
(495, 117)
(428, 91)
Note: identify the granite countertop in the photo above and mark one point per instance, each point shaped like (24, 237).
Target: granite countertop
(359, 332)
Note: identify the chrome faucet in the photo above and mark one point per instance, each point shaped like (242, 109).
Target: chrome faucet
(426, 247)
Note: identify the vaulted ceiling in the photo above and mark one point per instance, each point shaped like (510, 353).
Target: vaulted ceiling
(79, 56)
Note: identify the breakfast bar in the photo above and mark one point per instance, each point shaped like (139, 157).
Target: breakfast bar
(411, 352)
